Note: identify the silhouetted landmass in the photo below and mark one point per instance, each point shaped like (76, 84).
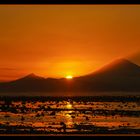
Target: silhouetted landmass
(120, 75)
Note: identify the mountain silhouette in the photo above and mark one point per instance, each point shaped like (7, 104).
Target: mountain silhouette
(30, 77)
(119, 75)
(118, 67)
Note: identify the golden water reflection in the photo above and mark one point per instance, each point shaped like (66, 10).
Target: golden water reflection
(49, 114)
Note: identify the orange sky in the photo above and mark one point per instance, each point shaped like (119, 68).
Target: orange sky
(57, 40)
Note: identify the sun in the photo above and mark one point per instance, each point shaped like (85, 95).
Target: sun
(69, 77)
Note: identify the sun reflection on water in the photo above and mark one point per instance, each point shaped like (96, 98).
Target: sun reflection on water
(68, 106)
(69, 119)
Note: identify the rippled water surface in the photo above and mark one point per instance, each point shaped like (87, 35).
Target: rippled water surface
(46, 115)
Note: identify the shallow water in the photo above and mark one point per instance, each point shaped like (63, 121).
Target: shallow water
(79, 114)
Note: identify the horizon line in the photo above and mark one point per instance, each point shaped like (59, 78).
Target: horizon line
(32, 73)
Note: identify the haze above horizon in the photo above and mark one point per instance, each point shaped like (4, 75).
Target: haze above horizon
(61, 40)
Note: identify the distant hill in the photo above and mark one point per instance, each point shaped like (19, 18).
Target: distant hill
(119, 75)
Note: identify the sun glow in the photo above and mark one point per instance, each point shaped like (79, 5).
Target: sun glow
(68, 106)
(69, 77)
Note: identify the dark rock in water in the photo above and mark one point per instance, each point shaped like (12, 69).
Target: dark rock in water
(87, 118)
(42, 114)
(37, 115)
(63, 126)
(22, 118)
(7, 116)
(52, 113)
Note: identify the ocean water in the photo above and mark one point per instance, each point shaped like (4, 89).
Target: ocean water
(104, 114)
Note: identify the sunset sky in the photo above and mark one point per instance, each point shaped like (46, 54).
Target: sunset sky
(60, 40)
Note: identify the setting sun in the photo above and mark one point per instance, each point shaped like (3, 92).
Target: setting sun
(69, 77)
